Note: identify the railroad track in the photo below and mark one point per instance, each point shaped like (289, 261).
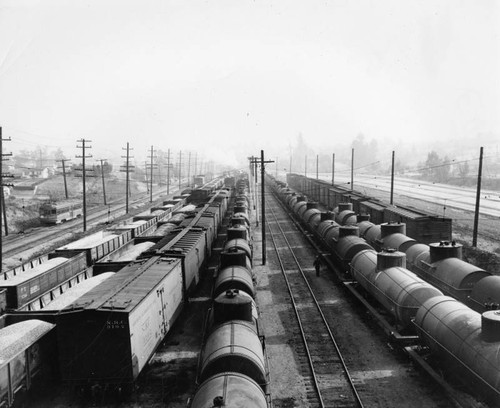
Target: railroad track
(24, 245)
(321, 360)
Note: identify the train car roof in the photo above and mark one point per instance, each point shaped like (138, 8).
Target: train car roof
(413, 213)
(31, 273)
(181, 243)
(90, 241)
(77, 291)
(130, 252)
(125, 290)
(16, 338)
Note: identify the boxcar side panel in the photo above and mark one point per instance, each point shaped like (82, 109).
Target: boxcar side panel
(150, 321)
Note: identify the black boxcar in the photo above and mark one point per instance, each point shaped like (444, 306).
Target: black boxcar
(109, 334)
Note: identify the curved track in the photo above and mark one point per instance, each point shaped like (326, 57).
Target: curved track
(329, 373)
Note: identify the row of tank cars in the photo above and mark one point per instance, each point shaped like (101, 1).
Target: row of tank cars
(232, 365)
(93, 312)
(429, 293)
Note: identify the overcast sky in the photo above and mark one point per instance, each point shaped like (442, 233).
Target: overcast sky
(228, 78)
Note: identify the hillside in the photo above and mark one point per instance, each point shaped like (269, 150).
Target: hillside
(22, 206)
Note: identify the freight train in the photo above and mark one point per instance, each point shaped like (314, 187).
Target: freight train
(107, 335)
(232, 367)
(418, 298)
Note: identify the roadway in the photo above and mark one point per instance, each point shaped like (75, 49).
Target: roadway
(442, 195)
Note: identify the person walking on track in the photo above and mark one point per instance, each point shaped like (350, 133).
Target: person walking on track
(317, 264)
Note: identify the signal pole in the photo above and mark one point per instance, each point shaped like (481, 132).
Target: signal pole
(127, 170)
(83, 157)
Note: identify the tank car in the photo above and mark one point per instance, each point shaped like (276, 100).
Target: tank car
(344, 214)
(485, 294)
(398, 290)
(448, 272)
(234, 277)
(229, 390)
(466, 340)
(234, 346)
(233, 304)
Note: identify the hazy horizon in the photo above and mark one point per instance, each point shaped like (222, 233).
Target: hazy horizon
(227, 79)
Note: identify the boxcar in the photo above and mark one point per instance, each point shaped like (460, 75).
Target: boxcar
(27, 349)
(109, 334)
(421, 226)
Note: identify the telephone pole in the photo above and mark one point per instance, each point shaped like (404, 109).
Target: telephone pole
(64, 177)
(152, 156)
(3, 175)
(83, 157)
(189, 170)
(478, 198)
(195, 163)
(168, 172)
(333, 168)
(263, 200)
(352, 169)
(180, 170)
(392, 178)
(127, 171)
(103, 184)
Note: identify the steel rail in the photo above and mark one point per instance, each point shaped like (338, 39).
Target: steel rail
(332, 337)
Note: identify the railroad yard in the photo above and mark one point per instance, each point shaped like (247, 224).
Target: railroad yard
(251, 204)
